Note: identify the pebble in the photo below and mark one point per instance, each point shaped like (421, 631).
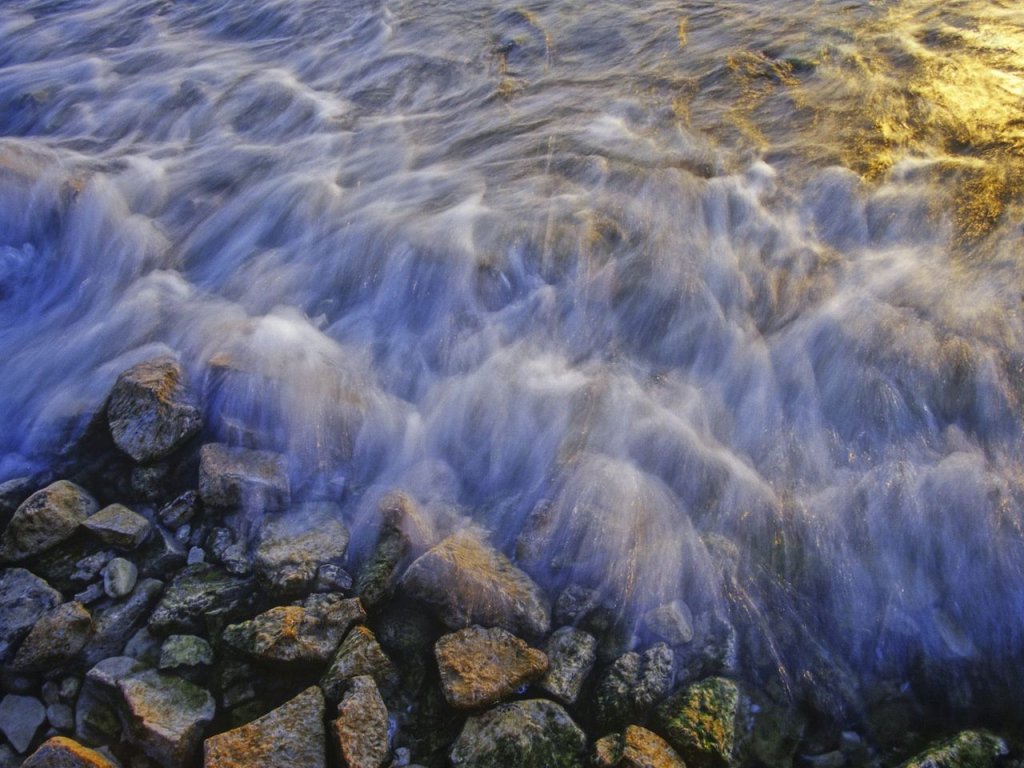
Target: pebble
(119, 577)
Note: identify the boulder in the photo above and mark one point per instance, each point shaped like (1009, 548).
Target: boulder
(291, 735)
(571, 655)
(24, 599)
(62, 752)
(527, 734)
(308, 633)
(152, 411)
(241, 477)
(480, 667)
(968, 749)
(45, 519)
(636, 748)
(55, 639)
(20, 720)
(700, 723)
(118, 526)
(361, 728)
(633, 685)
(292, 547)
(198, 593)
(469, 582)
(119, 577)
(359, 654)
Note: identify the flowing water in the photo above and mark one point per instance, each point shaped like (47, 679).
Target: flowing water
(719, 301)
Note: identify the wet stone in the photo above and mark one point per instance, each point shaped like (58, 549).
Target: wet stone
(634, 684)
(291, 735)
(359, 654)
(185, 651)
(361, 728)
(200, 592)
(20, 720)
(55, 639)
(152, 410)
(575, 604)
(700, 723)
(378, 578)
(968, 749)
(332, 578)
(293, 546)
(181, 510)
(672, 622)
(240, 477)
(469, 582)
(24, 599)
(636, 748)
(61, 717)
(480, 667)
(114, 623)
(657, 673)
(119, 577)
(571, 654)
(45, 519)
(527, 734)
(118, 526)
(62, 752)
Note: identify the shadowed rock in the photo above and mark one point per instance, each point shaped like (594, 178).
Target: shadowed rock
(62, 752)
(294, 546)
(24, 599)
(291, 735)
(359, 654)
(527, 734)
(118, 526)
(480, 666)
(240, 477)
(571, 655)
(200, 592)
(45, 519)
(114, 623)
(361, 728)
(152, 410)
(968, 749)
(469, 582)
(55, 639)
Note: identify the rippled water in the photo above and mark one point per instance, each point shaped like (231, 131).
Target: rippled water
(713, 300)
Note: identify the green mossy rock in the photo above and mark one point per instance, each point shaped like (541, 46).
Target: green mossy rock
(700, 723)
(968, 749)
(527, 734)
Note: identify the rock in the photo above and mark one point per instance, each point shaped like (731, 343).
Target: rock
(700, 722)
(379, 575)
(672, 622)
(61, 717)
(90, 594)
(150, 482)
(181, 510)
(96, 722)
(968, 749)
(152, 410)
(119, 577)
(469, 582)
(361, 728)
(636, 748)
(527, 734)
(308, 633)
(55, 639)
(571, 655)
(228, 552)
(104, 676)
(160, 555)
(45, 519)
(575, 603)
(91, 566)
(118, 526)
(185, 651)
(20, 719)
(291, 735)
(657, 673)
(61, 752)
(634, 684)
(114, 623)
(332, 578)
(293, 546)
(24, 599)
(359, 654)
(144, 646)
(164, 716)
(480, 667)
(233, 477)
(200, 592)
(195, 555)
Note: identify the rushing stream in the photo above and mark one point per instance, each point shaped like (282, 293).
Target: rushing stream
(714, 300)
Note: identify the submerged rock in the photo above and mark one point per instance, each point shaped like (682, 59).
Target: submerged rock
(291, 633)
(359, 654)
(198, 593)
(152, 411)
(118, 526)
(55, 639)
(24, 599)
(672, 622)
(20, 720)
(634, 684)
(45, 519)
(469, 582)
(700, 722)
(571, 654)
(361, 728)
(379, 575)
(241, 477)
(181, 510)
(291, 735)
(636, 748)
(968, 749)
(527, 734)
(294, 546)
(481, 666)
(62, 752)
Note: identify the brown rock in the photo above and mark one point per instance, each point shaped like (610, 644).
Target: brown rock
(55, 639)
(61, 752)
(164, 716)
(358, 654)
(290, 736)
(119, 526)
(361, 729)
(480, 667)
(636, 748)
(45, 519)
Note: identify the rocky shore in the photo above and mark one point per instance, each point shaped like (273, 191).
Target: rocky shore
(172, 601)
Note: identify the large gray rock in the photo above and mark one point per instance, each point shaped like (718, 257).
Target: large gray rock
(118, 526)
(152, 411)
(62, 752)
(968, 749)
(480, 667)
(20, 720)
(291, 735)
(308, 633)
(293, 546)
(359, 654)
(634, 684)
(700, 723)
(361, 728)
(469, 582)
(114, 623)
(24, 599)
(240, 477)
(55, 639)
(527, 734)
(571, 654)
(45, 519)
(198, 593)
(164, 716)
